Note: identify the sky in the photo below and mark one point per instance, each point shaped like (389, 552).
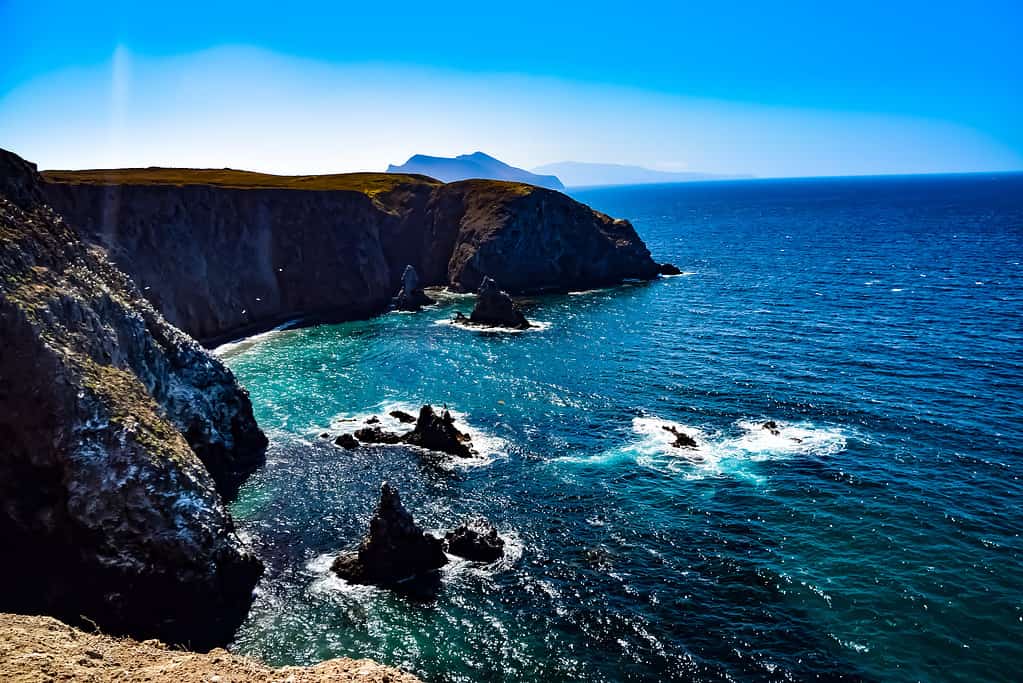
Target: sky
(768, 89)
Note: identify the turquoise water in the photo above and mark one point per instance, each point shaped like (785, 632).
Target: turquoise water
(878, 321)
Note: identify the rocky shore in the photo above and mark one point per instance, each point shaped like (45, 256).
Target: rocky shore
(121, 436)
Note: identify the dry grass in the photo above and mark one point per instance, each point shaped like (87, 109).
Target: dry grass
(367, 183)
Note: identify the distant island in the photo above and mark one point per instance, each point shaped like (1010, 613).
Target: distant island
(581, 174)
(469, 166)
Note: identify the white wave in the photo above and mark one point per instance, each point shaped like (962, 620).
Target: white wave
(534, 326)
(717, 453)
(445, 294)
(233, 348)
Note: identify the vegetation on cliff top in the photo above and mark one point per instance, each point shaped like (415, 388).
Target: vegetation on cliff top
(367, 183)
(371, 184)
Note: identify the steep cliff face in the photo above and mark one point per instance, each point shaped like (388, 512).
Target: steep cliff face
(118, 435)
(223, 253)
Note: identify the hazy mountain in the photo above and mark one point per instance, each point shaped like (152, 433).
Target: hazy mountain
(578, 174)
(477, 165)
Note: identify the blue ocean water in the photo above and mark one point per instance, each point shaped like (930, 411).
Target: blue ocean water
(877, 537)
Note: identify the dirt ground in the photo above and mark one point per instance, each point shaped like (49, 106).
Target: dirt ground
(44, 650)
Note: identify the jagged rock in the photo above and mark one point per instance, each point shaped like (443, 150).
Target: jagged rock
(682, 440)
(377, 435)
(476, 540)
(324, 435)
(346, 441)
(411, 296)
(668, 269)
(772, 427)
(395, 549)
(402, 416)
(373, 419)
(119, 439)
(495, 308)
(438, 433)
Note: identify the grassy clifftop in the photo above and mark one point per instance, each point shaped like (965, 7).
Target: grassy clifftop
(367, 183)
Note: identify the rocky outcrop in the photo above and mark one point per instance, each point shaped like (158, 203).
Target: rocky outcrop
(44, 649)
(226, 253)
(438, 433)
(495, 308)
(119, 435)
(668, 269)
(396, 548)
(411, 296)
(432, 431)
(682, 440)
(476, 540)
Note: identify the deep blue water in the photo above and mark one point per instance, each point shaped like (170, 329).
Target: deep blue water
(878, 321)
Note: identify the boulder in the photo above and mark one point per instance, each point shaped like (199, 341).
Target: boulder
(376, 435)
(346, 441)
(395, 549)
(682, 440)
(772, 427)
(438, 433)
(495, 308)
(402, 416)
(668, 269)
(411, 296)
(476, 540)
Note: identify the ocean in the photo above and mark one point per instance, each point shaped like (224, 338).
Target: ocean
(876, 537)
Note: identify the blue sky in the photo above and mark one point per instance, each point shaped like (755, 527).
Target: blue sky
(779, 89)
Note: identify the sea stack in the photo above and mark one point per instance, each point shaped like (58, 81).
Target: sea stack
(495, 308)
(395, 549)
(411, 296)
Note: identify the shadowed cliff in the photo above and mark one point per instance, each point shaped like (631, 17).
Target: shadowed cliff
(119, 435)
(224, 253)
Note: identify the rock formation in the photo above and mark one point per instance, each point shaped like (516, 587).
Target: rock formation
(44, 649)
(476, 540)
(119, 435)
(346, 441)
(411, 296)
(495, 308)
(402, 416)
(682, 440)
(438, 433)
(668, 269)
(772, 427)
(226, 253)
(396, 548)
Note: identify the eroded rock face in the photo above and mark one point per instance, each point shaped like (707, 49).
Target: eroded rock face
(476, 540)
(438, 433)
(220, 262)
(395, 549)
(118, 437)
(495, 308)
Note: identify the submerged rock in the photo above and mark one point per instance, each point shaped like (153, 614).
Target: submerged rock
(346, 441)
(438, 433)
(772, 427)
(668, 269)
(494, 308)
(396, 548)
(682, 440)
(476, 540)
(411, 296)
(402, 416)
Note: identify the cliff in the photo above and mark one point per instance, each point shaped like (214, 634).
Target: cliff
(119, 435)
(44, 649)
(473, 166)
(226, 253)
